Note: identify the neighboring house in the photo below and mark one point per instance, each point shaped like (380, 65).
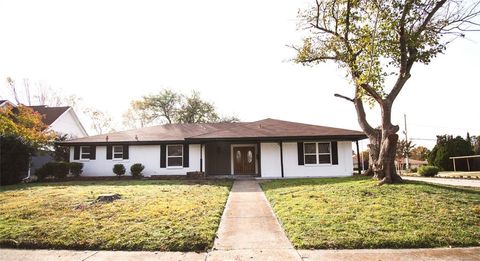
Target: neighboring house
(401, 164)
(4, 103)
(62, 120)
(267, 148)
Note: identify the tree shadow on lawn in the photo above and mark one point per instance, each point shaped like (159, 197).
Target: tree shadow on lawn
(217, 183)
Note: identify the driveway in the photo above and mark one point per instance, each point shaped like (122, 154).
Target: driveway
(446, 181)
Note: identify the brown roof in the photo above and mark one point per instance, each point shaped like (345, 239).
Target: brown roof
(268, 129)
(50, 114)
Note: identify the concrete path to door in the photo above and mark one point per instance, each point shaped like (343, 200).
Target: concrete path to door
(249, 230)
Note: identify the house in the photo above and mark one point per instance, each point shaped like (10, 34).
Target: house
(401, 164)
(4, 103)
(267, 148)
(63, 120)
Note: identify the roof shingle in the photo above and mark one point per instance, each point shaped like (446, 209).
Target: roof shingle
(263, 129)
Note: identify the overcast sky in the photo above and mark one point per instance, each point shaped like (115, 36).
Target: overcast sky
(233, 52)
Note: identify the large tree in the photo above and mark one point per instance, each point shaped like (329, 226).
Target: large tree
(22, 133)
(447, 146)
(196, 110)
(376, 41)
(172, 107)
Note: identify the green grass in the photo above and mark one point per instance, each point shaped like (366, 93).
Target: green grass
(151, 215)
(356, 213)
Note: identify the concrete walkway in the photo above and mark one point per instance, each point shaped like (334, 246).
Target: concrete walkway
(249, 229)
(446, 181)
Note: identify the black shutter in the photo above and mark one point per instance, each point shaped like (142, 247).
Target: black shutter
(125, 151)
(109, 152)
(300, 153)
(163, 156)
(93, 152)
(334, 153)
(185, 155)
(76, 152)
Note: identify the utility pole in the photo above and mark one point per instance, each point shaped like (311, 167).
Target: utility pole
(406, 142)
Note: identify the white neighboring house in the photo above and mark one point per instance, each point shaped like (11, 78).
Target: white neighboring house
(64, 121)
(267, 148)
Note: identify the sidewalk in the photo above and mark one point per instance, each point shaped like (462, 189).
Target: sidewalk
(447, 181)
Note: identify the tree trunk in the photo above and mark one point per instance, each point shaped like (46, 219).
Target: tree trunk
(374, 150)
(383, 144)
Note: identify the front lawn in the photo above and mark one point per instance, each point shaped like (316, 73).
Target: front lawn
(151, 215)
(356, 213)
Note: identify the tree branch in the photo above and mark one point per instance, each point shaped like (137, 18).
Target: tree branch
(343, 97)
(372, 92)
(429, 17)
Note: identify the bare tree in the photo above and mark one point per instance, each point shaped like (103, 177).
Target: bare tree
(101, 121)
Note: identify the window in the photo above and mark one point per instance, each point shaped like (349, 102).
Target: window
(117, 152)
(85, 152)
(174, 155)
(317, 153)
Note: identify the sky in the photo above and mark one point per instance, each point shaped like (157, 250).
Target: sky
(234, 52)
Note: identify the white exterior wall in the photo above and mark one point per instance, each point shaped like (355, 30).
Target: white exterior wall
(148, 155)
(292, 169)
(67, 123)
(271, 162)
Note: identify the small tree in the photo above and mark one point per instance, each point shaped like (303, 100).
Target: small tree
(420, 153)
(119, 169)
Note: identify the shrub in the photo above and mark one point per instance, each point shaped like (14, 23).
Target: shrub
(119, 169)
(43, 172)
(136, 169)
(413, 170)
(428, 171)
(76, 168)
(58, 170)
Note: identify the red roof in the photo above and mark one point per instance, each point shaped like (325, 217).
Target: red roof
(267, 129)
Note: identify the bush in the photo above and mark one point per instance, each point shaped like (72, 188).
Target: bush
(413, 170)
(119, 169)
(43, 172)
(428, 171)
(76, 168)
(136, 169)
(58, 170)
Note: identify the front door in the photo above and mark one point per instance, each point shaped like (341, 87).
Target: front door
(244, 160)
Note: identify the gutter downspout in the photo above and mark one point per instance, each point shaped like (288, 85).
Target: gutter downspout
(358, 159)
(201, 157)
(281, 158)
